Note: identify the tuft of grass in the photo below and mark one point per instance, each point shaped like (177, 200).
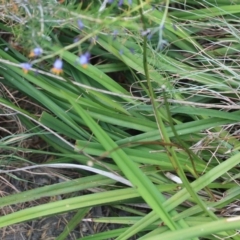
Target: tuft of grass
(140, 99)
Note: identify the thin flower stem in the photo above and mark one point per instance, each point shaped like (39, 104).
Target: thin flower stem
(189, 152)
(169, 149)
(172, 225)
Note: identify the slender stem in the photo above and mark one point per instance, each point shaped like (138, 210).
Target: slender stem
(169, 149)
(190, 153)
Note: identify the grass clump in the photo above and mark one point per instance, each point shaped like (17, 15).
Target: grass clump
(132, 106)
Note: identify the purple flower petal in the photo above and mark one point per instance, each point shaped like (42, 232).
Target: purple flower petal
(76, 39)
(80, 24)
(120, 3)
(58, 64)
(132, 50)
(26, 66)
(57, 67)
(115, 33)
(37, 51)
(146, 32)
(84, 58)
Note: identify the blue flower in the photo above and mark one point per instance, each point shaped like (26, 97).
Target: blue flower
(146, 32)
(57, 67)
(26, 67)
(80, 24)
(76, 39)
(35, 52)
(84, 59)
(120, 3)
(162, 44)
(115, 33)
(132, 50)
